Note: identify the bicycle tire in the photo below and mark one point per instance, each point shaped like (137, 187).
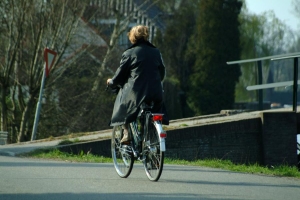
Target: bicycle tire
(154, 157)
(121, 154)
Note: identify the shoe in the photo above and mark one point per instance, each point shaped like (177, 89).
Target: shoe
(126, 137)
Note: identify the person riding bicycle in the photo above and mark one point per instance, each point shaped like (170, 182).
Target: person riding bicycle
(139, 77)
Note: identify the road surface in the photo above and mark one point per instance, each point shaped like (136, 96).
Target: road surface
(30, 179)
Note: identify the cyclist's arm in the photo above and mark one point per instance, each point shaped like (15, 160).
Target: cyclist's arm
(122, 73)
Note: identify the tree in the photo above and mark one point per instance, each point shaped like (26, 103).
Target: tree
(72, 88)
(30, 26)
(214, 42)
(173, 43)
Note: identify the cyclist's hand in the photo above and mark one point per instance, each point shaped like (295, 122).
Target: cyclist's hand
(108, 80)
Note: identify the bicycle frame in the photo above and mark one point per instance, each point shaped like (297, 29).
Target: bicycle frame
(147, 145)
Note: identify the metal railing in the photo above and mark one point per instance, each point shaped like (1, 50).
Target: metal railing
(260, 86)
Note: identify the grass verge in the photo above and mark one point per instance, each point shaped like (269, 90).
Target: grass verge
(55, 154)
(284, 170)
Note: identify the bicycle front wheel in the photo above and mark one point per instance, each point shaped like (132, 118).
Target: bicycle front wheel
(154, 157)
(121, 154)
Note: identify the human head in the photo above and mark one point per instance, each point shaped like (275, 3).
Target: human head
(138, 32)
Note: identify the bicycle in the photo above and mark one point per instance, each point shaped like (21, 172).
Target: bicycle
(147, 145)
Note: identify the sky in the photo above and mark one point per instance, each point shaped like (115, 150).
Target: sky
(283, 10)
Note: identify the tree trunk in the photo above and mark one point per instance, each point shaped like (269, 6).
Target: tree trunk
(3, 109)
(24, 120)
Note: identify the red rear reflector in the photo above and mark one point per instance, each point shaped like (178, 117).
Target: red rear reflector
(163, 135)
(157, 117)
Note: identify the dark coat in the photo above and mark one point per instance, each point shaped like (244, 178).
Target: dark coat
(139, 77)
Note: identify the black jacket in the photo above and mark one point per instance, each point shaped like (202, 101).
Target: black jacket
(139, 76)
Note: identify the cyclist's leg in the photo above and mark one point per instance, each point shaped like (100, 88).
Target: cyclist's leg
(126, 135)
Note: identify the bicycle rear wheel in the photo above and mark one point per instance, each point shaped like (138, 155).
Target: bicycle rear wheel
(121, 154)
(154, 157)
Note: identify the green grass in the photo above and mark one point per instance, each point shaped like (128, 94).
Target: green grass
(283, 170)
(55, 154)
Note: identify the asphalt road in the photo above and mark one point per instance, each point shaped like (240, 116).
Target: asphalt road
(24, 178)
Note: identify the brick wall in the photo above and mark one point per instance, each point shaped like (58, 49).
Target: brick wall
(279, 133)
(238, 141)
(268, 139)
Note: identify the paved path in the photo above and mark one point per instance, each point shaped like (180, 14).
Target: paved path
(33, 179)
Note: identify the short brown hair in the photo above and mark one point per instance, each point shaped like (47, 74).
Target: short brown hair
(138, 32)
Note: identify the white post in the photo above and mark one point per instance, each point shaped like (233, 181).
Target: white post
(38, 106)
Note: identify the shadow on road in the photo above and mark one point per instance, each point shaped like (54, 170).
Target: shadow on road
(129, 196)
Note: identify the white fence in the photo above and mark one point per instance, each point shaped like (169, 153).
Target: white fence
(3, 137)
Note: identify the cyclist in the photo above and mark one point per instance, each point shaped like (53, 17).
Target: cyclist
(139, 77)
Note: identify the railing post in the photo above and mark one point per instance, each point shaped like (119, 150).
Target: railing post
(260, 91)
(295, 86)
